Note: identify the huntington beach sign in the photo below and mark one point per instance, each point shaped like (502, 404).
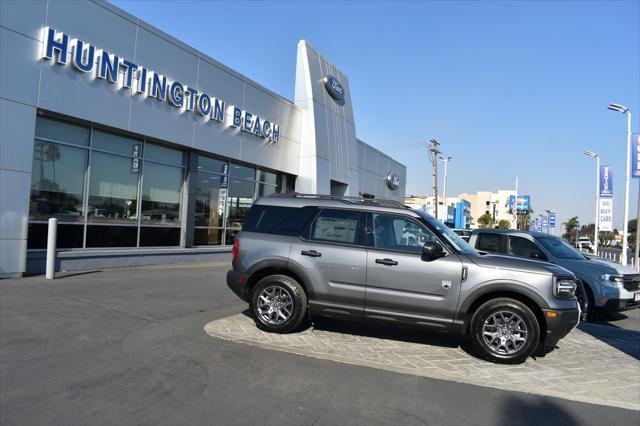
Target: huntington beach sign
(60, 48)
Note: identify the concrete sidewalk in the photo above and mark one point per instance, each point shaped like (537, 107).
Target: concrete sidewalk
(127, 346)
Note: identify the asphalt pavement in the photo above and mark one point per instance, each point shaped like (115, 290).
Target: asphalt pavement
(127, 346)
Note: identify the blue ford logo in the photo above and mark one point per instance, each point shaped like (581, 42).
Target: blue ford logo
(393, 181)
(334, 87)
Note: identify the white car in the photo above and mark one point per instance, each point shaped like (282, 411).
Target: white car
(584, 243)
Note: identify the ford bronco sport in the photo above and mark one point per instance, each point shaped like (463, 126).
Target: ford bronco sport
(303, 255)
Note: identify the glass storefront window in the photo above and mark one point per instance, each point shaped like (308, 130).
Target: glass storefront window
(210, 200)
(113, 189)
(243, 172)
(57, 182)
(161, 192)
(109, 190)
(114, 143)
(212, 165)
(268, 183)
(47, 128)
(239, 200)
(163, 154)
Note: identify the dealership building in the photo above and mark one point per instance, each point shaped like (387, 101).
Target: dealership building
(149, 151)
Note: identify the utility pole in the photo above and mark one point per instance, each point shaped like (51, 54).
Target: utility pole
(434, 152)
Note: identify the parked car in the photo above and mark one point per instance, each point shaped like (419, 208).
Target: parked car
(584, 243)
(301, 255)
(464, 233)
(608, 286)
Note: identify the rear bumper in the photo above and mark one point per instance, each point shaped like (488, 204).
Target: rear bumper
(237, 282)
(560, 325)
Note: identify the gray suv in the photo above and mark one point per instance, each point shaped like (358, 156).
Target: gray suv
(303, 255)
(609, 286)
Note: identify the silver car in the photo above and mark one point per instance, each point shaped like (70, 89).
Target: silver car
(300, 256)
(608, 286)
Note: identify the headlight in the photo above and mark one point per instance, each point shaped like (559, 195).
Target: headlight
(564, 288)
(612, 280)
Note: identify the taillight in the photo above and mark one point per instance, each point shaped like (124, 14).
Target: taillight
(236, 249)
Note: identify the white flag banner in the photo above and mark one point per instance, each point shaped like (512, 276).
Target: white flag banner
(605, 214)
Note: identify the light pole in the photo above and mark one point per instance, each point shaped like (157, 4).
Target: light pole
(434, 152)
(625, 226)
(548, 223)
(445, 159)
(597, 222)
(494, 212)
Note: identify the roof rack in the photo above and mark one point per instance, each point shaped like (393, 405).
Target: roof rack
(344, 198)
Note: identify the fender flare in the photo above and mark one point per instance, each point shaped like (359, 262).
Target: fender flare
(512, 287)
(286, 265)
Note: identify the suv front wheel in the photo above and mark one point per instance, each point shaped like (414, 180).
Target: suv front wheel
(504, 331)
(278, 304)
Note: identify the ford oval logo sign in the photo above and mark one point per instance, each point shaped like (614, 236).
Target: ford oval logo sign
(393, 181)
(334, 87)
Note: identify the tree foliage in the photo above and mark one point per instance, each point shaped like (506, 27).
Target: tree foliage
(485, 221)
(504, 224)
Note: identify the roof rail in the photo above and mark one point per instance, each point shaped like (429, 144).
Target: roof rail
(344, 198)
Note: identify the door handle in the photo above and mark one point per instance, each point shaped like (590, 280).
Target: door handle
(389, 262)
(311, 253)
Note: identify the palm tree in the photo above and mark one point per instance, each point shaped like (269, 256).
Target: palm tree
(52, 153)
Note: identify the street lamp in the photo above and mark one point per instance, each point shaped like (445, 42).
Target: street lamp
(548, 223)
(445, 159)
(625, 226)
(597, 222)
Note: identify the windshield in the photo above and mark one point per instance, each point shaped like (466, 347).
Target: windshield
(560, 249)
(445, 232)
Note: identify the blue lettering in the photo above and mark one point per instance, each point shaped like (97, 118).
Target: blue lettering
(275, 136)
(266, 129)
(80, 61)
(54, 44)
(193, 93)
(142, 81)
(248, 121)
(176, 94)
(159, 86)
(128, 76)
(237, 117)
(204, 104)
(257, 129)
(109, 65)
(218, 110)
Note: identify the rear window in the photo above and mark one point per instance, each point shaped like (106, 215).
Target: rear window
(489, 242)
(277, 220)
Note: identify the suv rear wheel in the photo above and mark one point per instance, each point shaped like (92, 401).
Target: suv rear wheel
(278, 304)
(504, 331)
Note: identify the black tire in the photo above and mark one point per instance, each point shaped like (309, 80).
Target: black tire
(282, 288)
(584, 296)
(511, 353)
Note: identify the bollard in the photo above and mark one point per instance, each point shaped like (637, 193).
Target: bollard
(52, 234)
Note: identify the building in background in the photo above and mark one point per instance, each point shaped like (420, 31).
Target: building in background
(147, 150)
(469, 207)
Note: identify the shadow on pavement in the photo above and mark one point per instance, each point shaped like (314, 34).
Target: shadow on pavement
(624, 340)
(542, 411)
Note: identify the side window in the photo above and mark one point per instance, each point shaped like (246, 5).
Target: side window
(489, 242)
(522, 247)
(277, 220)
(399, 233)
(337, 226)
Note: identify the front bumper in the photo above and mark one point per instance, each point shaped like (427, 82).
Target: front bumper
(617, 305)
(237, 282)
(559, 325)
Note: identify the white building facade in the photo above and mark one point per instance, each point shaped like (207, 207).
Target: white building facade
(147, 150)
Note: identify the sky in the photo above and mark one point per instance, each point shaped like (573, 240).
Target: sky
(508, 88)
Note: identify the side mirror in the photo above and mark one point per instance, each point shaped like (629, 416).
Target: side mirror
(432, 250)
